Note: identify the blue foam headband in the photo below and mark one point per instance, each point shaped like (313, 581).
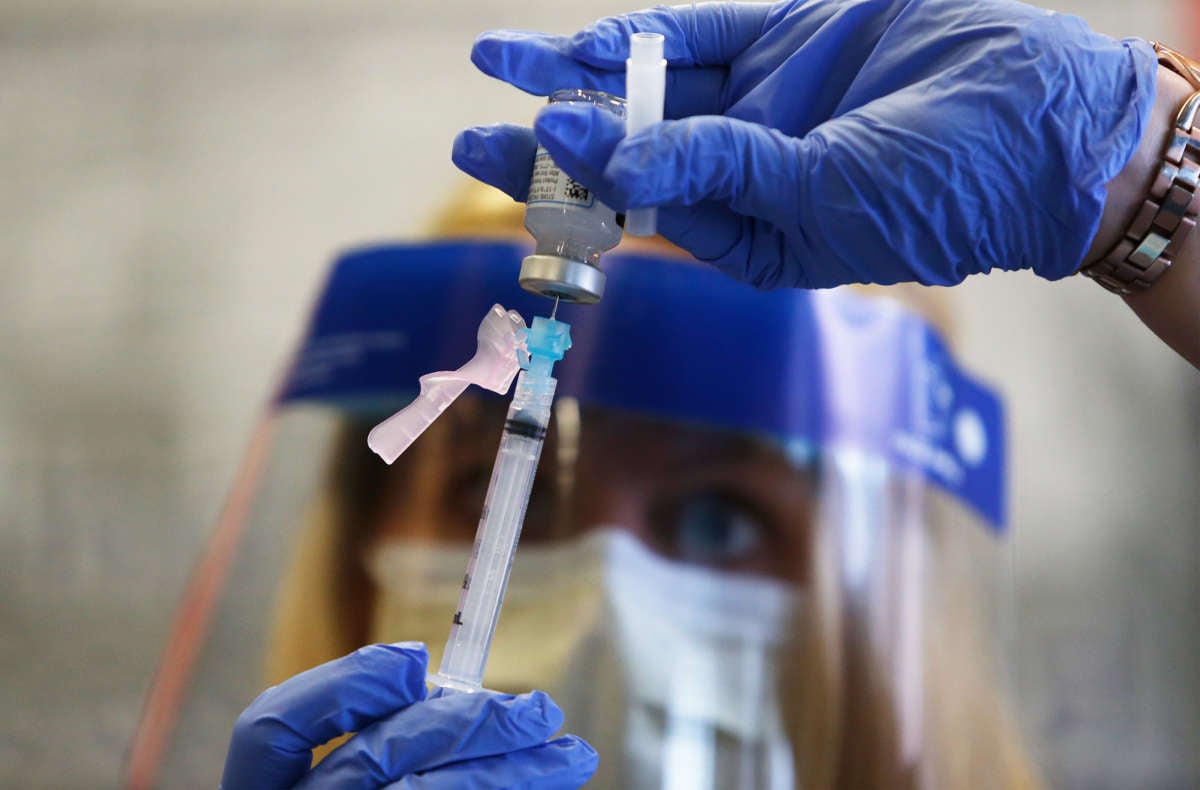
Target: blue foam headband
(674, 340)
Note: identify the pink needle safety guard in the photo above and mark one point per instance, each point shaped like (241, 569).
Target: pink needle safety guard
(501, 344)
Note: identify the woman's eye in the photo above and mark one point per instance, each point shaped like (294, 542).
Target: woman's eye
(709, 529)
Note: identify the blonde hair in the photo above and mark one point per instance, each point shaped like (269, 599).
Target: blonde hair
(845, 727)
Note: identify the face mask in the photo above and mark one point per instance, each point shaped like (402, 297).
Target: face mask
(552, 601)
(672, 667)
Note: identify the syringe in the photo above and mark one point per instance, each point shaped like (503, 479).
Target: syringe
(645, 89)
(503, 511)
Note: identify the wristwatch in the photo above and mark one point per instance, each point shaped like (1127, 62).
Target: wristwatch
(1168, 215)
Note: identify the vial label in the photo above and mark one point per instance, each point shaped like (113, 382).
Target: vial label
(549, 184)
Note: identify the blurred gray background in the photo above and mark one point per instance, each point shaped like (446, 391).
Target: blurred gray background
(176, 177)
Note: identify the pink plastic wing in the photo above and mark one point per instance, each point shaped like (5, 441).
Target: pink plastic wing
(495, 364)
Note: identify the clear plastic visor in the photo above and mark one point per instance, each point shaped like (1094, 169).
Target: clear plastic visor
(710, 608)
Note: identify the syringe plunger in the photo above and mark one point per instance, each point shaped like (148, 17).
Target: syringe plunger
(645, 91)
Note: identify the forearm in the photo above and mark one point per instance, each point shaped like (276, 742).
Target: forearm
(1171, 307)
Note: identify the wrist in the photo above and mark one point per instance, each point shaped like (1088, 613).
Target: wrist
(1170, 304)
(1127, 192)
(1171, 309)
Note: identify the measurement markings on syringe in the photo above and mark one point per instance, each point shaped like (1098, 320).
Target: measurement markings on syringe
(529, 430)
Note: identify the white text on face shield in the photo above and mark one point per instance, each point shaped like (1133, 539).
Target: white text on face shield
(920, 453)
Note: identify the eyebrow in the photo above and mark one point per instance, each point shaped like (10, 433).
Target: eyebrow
(690, 447)
(710, 450)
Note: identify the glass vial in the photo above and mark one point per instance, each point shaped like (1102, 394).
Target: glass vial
(571, 227)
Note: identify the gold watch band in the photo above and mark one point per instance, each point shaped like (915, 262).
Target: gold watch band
(1168, 215)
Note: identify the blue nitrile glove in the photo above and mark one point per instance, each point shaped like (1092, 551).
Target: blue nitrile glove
(835, 141)
(404, 740)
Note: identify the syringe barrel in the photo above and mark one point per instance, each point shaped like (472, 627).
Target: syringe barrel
(499, 530)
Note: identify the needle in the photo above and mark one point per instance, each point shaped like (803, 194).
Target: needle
(554, 312)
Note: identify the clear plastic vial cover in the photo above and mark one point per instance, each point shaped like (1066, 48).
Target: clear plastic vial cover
(571, 227)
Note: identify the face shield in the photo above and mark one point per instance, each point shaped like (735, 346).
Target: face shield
(763, 547)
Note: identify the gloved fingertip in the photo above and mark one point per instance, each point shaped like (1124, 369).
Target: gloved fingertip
(581, 137)
(576, 745)
(495, 155)
(467, 147)
(563, 121)
(578, 754)
(486, 49)
(543, 710)
(589, 131)
(415, 656)
(517, 56)
(412, 647)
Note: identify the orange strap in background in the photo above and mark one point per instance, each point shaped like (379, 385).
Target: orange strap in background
(193, 616)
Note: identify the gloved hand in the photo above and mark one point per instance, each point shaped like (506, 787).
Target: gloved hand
(403, 740)
(824, 142)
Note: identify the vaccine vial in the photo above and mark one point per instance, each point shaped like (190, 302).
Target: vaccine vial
(571, 227)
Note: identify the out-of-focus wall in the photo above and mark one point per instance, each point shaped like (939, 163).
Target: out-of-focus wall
(1105, 428)
(176, 177)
